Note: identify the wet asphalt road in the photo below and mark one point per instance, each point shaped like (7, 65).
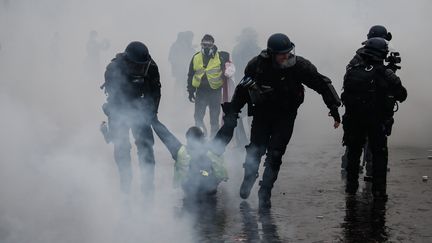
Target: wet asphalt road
(309, 203)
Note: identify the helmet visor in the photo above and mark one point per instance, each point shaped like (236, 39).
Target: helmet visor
(285, 60)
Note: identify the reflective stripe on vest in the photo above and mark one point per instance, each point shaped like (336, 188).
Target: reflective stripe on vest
(181, 166)
(213, 71)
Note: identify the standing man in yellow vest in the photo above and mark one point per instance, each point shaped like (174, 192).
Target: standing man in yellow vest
(205, 80)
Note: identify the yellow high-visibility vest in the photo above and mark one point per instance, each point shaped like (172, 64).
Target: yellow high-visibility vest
(213, 71)
(181, 166)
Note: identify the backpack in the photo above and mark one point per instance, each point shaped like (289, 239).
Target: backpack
(359, 86)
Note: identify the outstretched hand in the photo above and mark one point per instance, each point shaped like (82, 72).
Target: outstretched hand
(335, 114)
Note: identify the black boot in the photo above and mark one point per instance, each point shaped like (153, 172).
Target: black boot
(353, 167)
(351, 187)
(250, 176)
(269, 177)
(379, 189)
(264, 195)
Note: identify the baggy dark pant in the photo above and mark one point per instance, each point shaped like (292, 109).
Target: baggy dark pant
(356, 130)
(269, 135)
(211, 98)
(119, 125)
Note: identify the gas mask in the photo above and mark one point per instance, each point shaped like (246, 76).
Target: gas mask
(137, 72)
(207, 48)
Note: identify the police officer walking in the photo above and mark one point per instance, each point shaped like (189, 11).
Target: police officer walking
(133, 89)
(273, 89)
(371, 91)
(205, 80)
(392, 63)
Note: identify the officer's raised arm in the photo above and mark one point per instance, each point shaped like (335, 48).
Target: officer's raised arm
(322, 85)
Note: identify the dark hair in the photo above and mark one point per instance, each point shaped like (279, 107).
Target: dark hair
(194, 133)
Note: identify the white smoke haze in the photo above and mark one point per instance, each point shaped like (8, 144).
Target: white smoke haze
(58, 179)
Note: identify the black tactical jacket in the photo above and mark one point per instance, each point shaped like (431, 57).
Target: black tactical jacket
(125, 87)
(283, 89)
(384, 87)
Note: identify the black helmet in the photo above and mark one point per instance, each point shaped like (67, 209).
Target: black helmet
(137, 52)
(279, 43)
(376, 47)
(379, 31)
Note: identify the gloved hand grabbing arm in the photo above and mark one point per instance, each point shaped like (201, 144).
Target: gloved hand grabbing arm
(226, 132)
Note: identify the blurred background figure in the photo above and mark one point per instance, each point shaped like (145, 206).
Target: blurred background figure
(180, 52)
(94, 47)
(245, 49)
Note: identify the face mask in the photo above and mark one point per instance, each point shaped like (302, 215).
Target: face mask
(287, 63)
(290, 62)
(207, 49)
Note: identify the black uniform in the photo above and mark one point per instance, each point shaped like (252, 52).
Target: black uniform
(273, 103)
(370, 92)
(133, 100)
(206, 96)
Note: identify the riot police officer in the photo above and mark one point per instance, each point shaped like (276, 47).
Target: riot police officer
(133, 89)
(371, 90)
(273, 89)
(393, 60)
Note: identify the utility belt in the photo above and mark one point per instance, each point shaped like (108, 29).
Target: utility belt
(266, 98)
(384, 112)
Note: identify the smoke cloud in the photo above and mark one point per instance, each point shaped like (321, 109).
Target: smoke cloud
(58, 179)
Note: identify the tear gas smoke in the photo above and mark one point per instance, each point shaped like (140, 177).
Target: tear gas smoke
(58, 180)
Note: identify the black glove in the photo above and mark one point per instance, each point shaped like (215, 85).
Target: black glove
(192, 96)
(335, 114)
(230, 115)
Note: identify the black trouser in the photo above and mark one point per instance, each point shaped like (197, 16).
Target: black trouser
(271, 134)
(211, 98)
(356, 129)
(119, 123)
(367, 159)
